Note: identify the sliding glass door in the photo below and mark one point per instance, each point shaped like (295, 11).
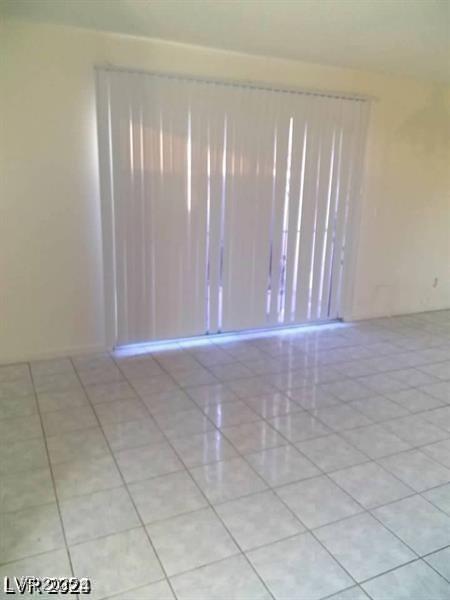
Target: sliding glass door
(225, 207)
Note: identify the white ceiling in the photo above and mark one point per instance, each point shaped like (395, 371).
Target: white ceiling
(404, 37)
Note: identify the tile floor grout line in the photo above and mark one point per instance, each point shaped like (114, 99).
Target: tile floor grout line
(424, 558)
(207, 500)
(290, 444)
(295, 516)
(364, 511)
(246, 454)
(52, 475)
(130, 497)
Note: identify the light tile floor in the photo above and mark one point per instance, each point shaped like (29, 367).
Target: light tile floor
(298, 465)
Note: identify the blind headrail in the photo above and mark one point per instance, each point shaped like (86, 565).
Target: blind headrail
(241, 83)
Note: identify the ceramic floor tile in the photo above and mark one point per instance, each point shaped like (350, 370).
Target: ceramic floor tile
(154, 591)
(190, 541)
(297, 427)
(331, 452)
(167, 496)
(440, 370)
(205, 395)
(140, 369)
(177, 361)
(416, 580)
(356, 368)
(318, 501)
(417, 470)
(416, 431)
(77, 445)
(353, 593)
(203, 448)
(415, 400)
(51, 366)
(70, 419)
(245, 351)
(418, 523)
(227, 480)
(370, 484)
(342, 417)
(55, 382)
(98, 375)
(230, 413)
(230, 371)
(144, 462)
(440, 497)
(184, 423)
(121, 411)
(363, 546)
(269, 367)
(24, 490)
(312, 398)
(116, 563)
(439, 451)
(154, 385)
(440, 390)
(258, 519)
(95, 515)
(289, 380)
(14, 372)
(294, 568)
(110, 392)
(85, 476)
(20, 428)
(21, 455)
(30, 531)
(65, 400)
(197, 376)
(391, 455)
(375, 441)
(272, 405)
(383, 383)
(232, 578)
(210, 356)
(252, 386)
(379, 408)
(440, 561)
(279, 466)
(251, 437)
(11, 407)
(131, 434)
(439, 417)
(55, 562)
(93, 360)
(169, 402)
(15, 389)
(413, 377)
(347, 390)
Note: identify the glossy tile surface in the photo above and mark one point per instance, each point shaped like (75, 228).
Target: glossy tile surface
(295, 568)
(364, 547)
(312, 463)
(189, 541)
(416, 580)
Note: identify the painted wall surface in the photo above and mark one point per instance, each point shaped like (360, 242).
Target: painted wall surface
(51, 279)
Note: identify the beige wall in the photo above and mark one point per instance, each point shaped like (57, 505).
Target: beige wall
(51, 287)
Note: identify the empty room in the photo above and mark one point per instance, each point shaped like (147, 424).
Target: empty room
(225, 299)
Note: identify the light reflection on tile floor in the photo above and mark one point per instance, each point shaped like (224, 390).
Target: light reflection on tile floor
(297, 465)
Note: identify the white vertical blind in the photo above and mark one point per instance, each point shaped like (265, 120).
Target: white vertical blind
(224, 206)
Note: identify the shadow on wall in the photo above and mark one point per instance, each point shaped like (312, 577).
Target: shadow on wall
(428, 129)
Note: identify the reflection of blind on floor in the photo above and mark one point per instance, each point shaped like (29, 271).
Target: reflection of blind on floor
(224, 206)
